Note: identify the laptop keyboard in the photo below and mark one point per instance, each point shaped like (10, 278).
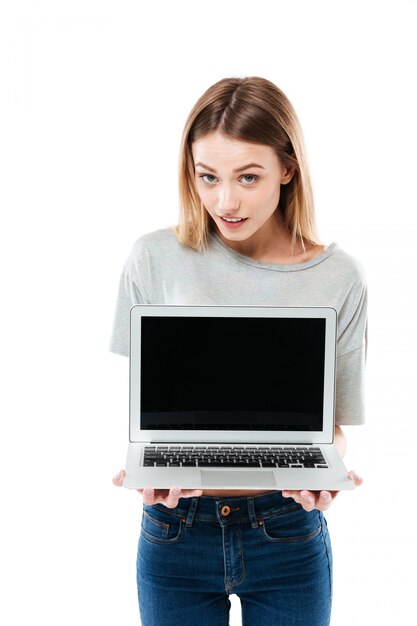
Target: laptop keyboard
(233, 456)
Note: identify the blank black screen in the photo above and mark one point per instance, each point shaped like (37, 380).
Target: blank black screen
(232, 373)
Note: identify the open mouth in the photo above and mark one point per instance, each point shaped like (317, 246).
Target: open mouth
(234, 222)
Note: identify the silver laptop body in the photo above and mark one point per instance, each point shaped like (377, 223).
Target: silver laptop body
(233, 397)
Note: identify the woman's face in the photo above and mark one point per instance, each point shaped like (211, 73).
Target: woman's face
(239, 179)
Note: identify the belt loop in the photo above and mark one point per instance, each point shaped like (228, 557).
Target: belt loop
(251, 512)
(191, 512)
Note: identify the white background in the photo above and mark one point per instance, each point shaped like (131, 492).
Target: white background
(94, 96)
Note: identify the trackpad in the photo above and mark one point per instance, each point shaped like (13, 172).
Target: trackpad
(258, 479)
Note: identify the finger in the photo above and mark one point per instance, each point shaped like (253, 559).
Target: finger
(168, 498)
(324, 501)
(118, 478)
(356, 479)
(173, 496)
(290, 494)
(189, 493)
(308, 500)
(175, 493)
(148, 495)
(295, 495)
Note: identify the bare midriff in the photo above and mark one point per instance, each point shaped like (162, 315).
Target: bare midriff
(226, 493)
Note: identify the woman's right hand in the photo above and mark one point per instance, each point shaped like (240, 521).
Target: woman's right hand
(168, 497)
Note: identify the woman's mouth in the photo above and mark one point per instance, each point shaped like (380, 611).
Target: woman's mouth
(234, 222)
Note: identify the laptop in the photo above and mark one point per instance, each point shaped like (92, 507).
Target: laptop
(233, 397)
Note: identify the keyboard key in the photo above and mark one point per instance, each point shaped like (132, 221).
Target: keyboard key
(233, 456)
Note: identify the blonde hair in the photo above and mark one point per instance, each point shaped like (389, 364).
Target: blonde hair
(250, 109)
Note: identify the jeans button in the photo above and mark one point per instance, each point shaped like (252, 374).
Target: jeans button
(225, 510)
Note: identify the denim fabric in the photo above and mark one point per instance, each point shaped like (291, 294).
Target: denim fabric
(266, 549)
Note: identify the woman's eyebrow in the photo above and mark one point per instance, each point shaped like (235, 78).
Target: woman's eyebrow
(238, 169)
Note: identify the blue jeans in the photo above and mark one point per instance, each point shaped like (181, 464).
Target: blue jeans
(265, 549)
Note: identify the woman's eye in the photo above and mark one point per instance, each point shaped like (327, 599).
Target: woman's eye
(203, 176)
(250, 176)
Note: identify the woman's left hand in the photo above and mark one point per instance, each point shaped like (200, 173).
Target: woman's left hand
(320, 500)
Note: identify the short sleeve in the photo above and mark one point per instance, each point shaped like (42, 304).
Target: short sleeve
(128, 296)
(351, 359)
(134, 286)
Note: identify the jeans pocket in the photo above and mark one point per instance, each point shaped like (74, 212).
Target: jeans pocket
(160, 526)
(295, 525)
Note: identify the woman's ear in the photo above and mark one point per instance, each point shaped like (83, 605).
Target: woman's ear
(287, 175)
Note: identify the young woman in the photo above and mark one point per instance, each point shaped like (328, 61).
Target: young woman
(246, 235)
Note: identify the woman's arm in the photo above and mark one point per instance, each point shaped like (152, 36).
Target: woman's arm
(340, 441)
(309, 500)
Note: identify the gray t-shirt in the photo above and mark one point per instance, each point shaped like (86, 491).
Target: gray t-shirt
(160, 270)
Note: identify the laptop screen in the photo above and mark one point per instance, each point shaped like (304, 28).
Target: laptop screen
(232, 373)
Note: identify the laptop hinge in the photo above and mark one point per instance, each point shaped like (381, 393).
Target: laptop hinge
(231, 443)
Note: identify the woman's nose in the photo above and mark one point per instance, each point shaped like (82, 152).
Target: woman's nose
(227, 200)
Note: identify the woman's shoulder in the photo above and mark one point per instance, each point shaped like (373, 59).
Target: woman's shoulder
(155, 239)
(157, 244)
(348, 264)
